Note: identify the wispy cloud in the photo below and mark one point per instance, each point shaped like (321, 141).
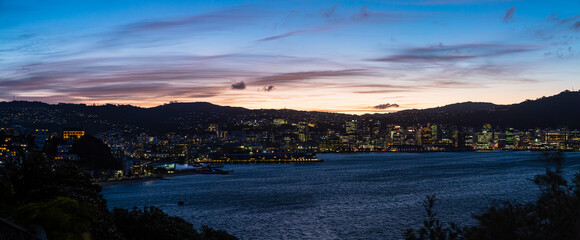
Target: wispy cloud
(558, 32)
(362, 17)
(222, 18)
(125, 77)
(267, 88)
(330, 12)
(443, 53)
(160, 77)
(576, 26)
(509, 14)
(417, 85)
(451, 2)
(149, 33)
(302, 76)
(297, 32)
(574, 21)
(408, 89)
(362, 13)
(239, 85)
(369, 16)
(386, 105)
(556, 23)
(554, 17)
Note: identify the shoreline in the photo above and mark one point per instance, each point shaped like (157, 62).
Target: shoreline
(129, 181)
(165, 176)
(261, 161)
(112, 183)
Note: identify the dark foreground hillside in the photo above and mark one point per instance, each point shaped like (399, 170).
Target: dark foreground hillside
(554, 215)
(43, 197)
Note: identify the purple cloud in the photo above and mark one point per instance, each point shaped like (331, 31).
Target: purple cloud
(509, 14)
(155, 32)
(420, 85)
(567, 20)
(574, 19)
(576, 26)
(300, 76)
(366, 16)
(363, 13)
(443, 53)
(239, 85)
(451, 2)
(557, 30)
(386, 105)
(363, 16)
(386, 91)
(267, 88)
(112, 78)
(153, 77)
(288, 34)
(330, 12)
(218, 19)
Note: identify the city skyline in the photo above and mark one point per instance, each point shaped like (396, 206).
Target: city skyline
(338, 56)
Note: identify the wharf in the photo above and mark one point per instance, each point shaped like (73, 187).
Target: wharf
(126, 181)
(251, 161)
(251, 158)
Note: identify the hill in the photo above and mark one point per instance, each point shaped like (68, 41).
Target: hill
(560, 110)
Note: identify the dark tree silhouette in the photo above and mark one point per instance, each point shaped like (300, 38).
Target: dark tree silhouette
(37, 190)
(94, 154)
(554, 215)
(152, 223)
(62, 217)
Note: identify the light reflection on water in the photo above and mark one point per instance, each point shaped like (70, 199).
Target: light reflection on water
(349, 196)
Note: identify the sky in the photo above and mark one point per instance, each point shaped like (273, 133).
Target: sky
(338, 56)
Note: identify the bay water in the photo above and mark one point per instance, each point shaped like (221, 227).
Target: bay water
(348, 196)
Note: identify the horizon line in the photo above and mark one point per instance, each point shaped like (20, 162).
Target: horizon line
(370, 110)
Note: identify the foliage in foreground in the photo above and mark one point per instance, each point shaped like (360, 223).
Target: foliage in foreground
(36, 190)
(62, 217)
(152, 223)
(554, 215)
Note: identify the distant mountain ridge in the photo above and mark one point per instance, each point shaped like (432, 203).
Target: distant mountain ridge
(195, 107)
(561, 110)
(468, 106)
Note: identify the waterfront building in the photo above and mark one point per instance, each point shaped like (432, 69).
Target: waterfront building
(435, 134)
(426, 137)
(556, 138)
(574, 139)
(484, 140)
(397, 136)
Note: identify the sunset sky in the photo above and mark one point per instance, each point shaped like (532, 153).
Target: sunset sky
(340, 56)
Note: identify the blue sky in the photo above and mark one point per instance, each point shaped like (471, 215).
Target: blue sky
(342, 56)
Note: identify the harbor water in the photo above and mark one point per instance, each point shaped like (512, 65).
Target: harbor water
(348, 196)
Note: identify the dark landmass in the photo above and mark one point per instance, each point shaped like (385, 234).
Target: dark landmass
(555, 111)
(44, 197)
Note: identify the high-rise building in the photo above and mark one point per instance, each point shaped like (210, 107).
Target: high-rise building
(426, 137)
(303, 132)
(351, 128)
(72, 133)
